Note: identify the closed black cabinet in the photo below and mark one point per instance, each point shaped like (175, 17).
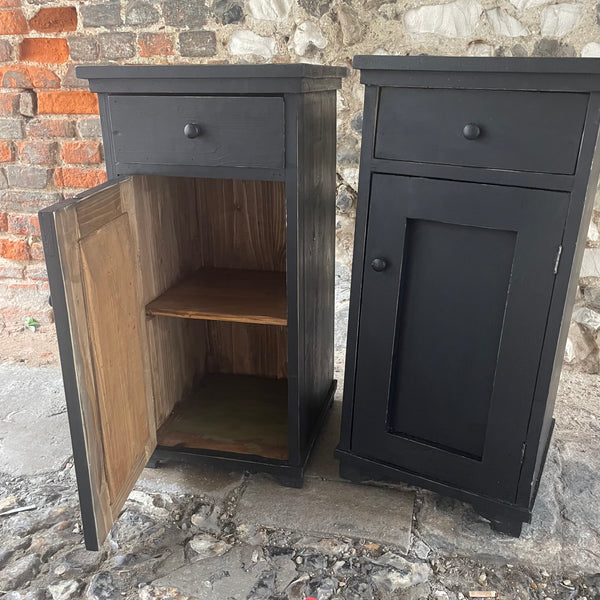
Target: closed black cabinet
(473, 209)
(461, 310)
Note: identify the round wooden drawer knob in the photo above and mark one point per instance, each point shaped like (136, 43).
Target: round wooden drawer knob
(378, 264)
(471, 131)
(191, 130)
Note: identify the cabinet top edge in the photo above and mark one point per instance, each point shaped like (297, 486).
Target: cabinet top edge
(479, 64)
(269, 71)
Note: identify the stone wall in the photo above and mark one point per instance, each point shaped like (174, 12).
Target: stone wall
(50, 143)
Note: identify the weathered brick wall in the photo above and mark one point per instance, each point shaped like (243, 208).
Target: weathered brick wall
(49, 129)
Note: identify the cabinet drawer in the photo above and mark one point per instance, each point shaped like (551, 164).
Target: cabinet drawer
(230, 131)
(521, 131)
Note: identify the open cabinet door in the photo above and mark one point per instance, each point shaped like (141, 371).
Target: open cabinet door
(95, 282)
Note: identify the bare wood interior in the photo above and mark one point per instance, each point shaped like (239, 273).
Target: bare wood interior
(108, 280)
(232, 413)
(188, 231)
(240, 295)
(106, 317)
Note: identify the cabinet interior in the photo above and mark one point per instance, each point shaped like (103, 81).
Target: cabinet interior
(212, 256)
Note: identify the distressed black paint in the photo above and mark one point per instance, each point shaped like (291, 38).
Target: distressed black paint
(465, 408)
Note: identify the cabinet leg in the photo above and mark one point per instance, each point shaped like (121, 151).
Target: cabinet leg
(507, 526)
(351, 473)
(291, 481)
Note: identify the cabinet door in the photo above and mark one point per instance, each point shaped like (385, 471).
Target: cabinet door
(452, 328)
(95, 284)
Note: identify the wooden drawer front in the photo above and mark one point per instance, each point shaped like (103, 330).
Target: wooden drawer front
(521, 131)
(232, 132)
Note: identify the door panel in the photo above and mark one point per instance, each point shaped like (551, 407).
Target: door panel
(95, 283)
(451, 330)
(467, 332)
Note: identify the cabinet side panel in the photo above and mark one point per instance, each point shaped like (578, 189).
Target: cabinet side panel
(574, 241)
(316, 257)
(166, 231)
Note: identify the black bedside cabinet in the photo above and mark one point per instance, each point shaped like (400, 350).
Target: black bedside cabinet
(477, 181)
(193, 293)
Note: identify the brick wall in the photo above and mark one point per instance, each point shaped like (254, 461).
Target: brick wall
(49, 126)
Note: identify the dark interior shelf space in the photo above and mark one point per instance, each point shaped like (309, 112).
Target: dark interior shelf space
(240, 295)
(240, 414)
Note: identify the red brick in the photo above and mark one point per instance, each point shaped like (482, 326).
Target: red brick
(44, 50)
(37, 152)
(81, 153)
(155, 44)
(10, 3)
(50, 128)
(23, 224)
(23, 286)
(28, 76)
(12, 22)
(6, 152)
(3, 222)
(67, 103)
(59, 19)
(78, 178)
(37, 251)
(9, 103)
(14, 249)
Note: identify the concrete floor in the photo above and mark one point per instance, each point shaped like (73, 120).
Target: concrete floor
(565, 531)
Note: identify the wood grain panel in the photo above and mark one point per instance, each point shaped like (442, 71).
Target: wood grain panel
(247, 349)
(96, 259)
(113, 319)
(232, 413)
(98, 505)
(100, 208)
(243, 224)
(167, 234)
(241, 295)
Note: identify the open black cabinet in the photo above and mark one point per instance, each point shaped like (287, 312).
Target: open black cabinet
(193, 292)
(477, 182)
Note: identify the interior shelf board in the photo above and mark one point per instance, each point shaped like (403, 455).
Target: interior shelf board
(240, 295)
(240, 414)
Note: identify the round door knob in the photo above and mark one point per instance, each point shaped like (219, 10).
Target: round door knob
(471, 131)
(191, 130)
(378, 264)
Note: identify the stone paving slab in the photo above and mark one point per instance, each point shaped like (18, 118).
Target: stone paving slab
(34, 432)
(322, 463)
(333, 508)
(231, 576)
(203, 478)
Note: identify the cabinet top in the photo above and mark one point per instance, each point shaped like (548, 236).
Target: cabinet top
(535, 74)
(478, 64)
(177, 79)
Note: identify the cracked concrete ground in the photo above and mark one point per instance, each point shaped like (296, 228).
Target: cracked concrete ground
(203, 532)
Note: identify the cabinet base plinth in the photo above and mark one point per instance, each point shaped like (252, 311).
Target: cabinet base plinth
(504, 517)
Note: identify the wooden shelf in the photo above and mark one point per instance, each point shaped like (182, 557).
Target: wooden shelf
(240, 414)
(240, 295)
